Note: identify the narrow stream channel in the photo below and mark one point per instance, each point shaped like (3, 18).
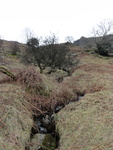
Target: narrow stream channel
(45, 126)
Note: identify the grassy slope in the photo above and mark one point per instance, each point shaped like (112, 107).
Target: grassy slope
(15, 118)
(88, 123)
(83, 125)
(16, 115)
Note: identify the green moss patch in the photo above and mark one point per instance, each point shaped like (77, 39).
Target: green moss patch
(49, 143)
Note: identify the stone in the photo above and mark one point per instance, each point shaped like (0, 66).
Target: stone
(36, 141)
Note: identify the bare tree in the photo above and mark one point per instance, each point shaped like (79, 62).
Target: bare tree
(101, 32)
(28, 33)
(50, 40)
(69, 39)
(50, 54)
(103, 28)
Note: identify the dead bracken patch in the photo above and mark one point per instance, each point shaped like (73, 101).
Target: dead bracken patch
(83, 125)
(87, 124)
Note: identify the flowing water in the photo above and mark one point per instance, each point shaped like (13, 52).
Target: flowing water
(46, 125)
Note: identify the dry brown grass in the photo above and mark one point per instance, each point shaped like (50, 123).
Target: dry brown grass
(42, 93)
(88, 124)
(43, 98)
(31, 79)
(15, 117)
(83, 125)
(28, 94)
(93, 74)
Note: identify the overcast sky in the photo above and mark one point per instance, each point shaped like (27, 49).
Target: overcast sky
(63, 17)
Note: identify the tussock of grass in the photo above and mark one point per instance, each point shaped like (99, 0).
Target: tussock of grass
(88, 123)
(92, 75)
(64, 94)
(31, 79)
(15, 118)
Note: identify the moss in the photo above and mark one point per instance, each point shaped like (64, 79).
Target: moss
(49, 143)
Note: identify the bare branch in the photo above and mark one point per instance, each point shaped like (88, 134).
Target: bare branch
(103, 28)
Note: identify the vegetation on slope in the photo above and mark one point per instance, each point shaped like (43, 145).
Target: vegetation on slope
(15, 118)
(87, 124)
(82, 125)
(23, 97)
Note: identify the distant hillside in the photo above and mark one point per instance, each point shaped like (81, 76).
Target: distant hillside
(8, 48)
(87, 43)
(7, 45)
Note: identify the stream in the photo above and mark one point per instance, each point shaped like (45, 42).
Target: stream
(46, 129)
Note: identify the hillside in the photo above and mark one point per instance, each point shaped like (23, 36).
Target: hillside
(87, 43)
(38, 113)
(87, 123)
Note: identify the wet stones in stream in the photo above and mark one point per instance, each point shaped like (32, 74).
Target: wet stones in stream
(46, 124)
(36, 141)
(43, 142)
(45, 135)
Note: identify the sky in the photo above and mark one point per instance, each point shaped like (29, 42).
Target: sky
(64, 18)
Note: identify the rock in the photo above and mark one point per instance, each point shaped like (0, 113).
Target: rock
(36, 141)
(58, 108)
(48, 123)
(42, 142)
(47, 70)
(46, 120)
(49, 143)
(45, 124)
